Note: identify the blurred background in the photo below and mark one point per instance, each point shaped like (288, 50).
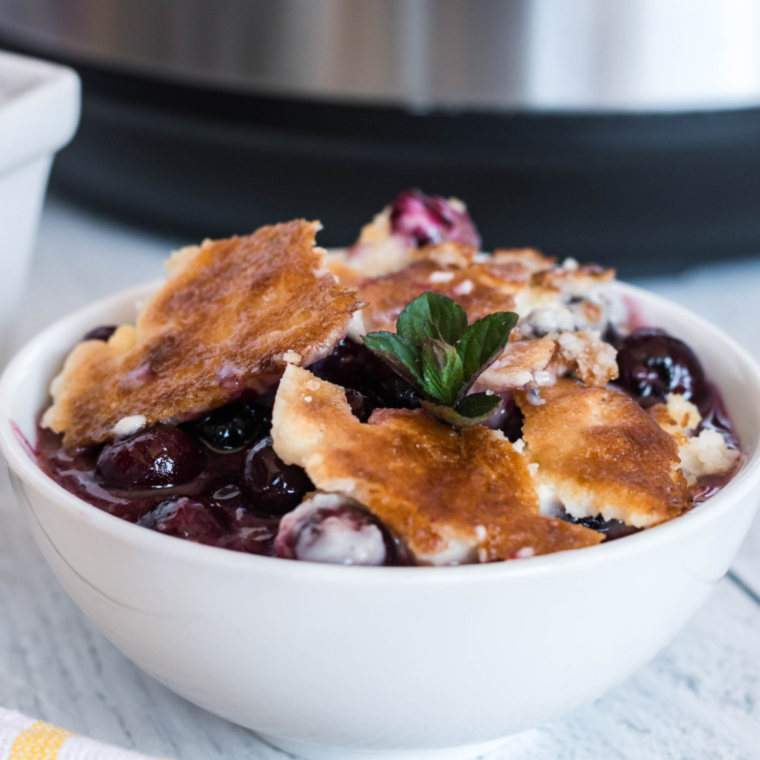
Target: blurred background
(621, 131)
(625, 131)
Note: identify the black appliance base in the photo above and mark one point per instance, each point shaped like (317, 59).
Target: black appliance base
(646, 193)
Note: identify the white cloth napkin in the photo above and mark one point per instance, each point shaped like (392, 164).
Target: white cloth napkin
(23, 738)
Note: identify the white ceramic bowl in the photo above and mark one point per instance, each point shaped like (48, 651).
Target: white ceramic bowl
(39, 113)
(336, 662)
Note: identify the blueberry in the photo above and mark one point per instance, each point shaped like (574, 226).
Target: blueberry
(157, 457)
(353, 365)
(231, 427)
(653, 364)
(345, 366)
(430, 219)
(391, 388)
(195, 519)
(715, 417)
(100, 333)
(273, 487)
(509, 419)
(330, 529)
(612, 529)
(362, 404)
(611, 335)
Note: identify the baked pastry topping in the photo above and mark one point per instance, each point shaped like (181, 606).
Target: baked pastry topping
(477, 287)
(600, 454)
(458, 406)
(701, 452)
(433, 487)
(231, 314)
(540, 361)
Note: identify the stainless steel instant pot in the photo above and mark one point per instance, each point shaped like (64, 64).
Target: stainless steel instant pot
(622, 130)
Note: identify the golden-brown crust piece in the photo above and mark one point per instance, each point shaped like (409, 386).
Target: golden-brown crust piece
(231, 314)
(519, 279)
(446, 254)
(518, 365)
(586, 354)
(354, 266)
(573, 280)
(477, 288)
(337, 263)
(451, 497)
(530, 259)
(541, 360)
(602, 454)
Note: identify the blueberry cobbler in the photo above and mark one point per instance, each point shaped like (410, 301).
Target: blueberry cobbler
(409, 401)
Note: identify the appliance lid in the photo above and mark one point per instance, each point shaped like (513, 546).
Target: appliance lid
(502, 55)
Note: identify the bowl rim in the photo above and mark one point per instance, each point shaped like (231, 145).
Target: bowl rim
(20, 462)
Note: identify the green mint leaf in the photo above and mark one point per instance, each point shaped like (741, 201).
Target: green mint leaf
(447, 315)
(478, 406)
(432, 331)
(399, 354)
(456, 418)
(482, 342)
(436, 352)
(441, 371)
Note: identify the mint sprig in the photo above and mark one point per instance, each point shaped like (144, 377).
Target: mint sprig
(439, 355)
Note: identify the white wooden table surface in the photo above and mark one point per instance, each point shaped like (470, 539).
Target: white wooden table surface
(699, 699)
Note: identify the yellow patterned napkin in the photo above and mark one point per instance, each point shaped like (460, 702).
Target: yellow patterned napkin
(22, 738)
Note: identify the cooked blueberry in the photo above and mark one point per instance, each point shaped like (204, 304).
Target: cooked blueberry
(509, 419)
(653, 364)
(429, 219)
(196, 519)
(272, 486)
(353, 365)
(715, 417)
(227, 492)
(262, 403)
(707, 486)
(611, 335)
(612, 529)
(379, 379)
(100, 333)
(331, 529)
(160, 456)
(345, 366)
(231, 427)
(392, 389)
(362, 404)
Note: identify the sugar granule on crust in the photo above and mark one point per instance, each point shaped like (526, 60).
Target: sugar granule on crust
(451, 497)
(602, 454)
(231, 315)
